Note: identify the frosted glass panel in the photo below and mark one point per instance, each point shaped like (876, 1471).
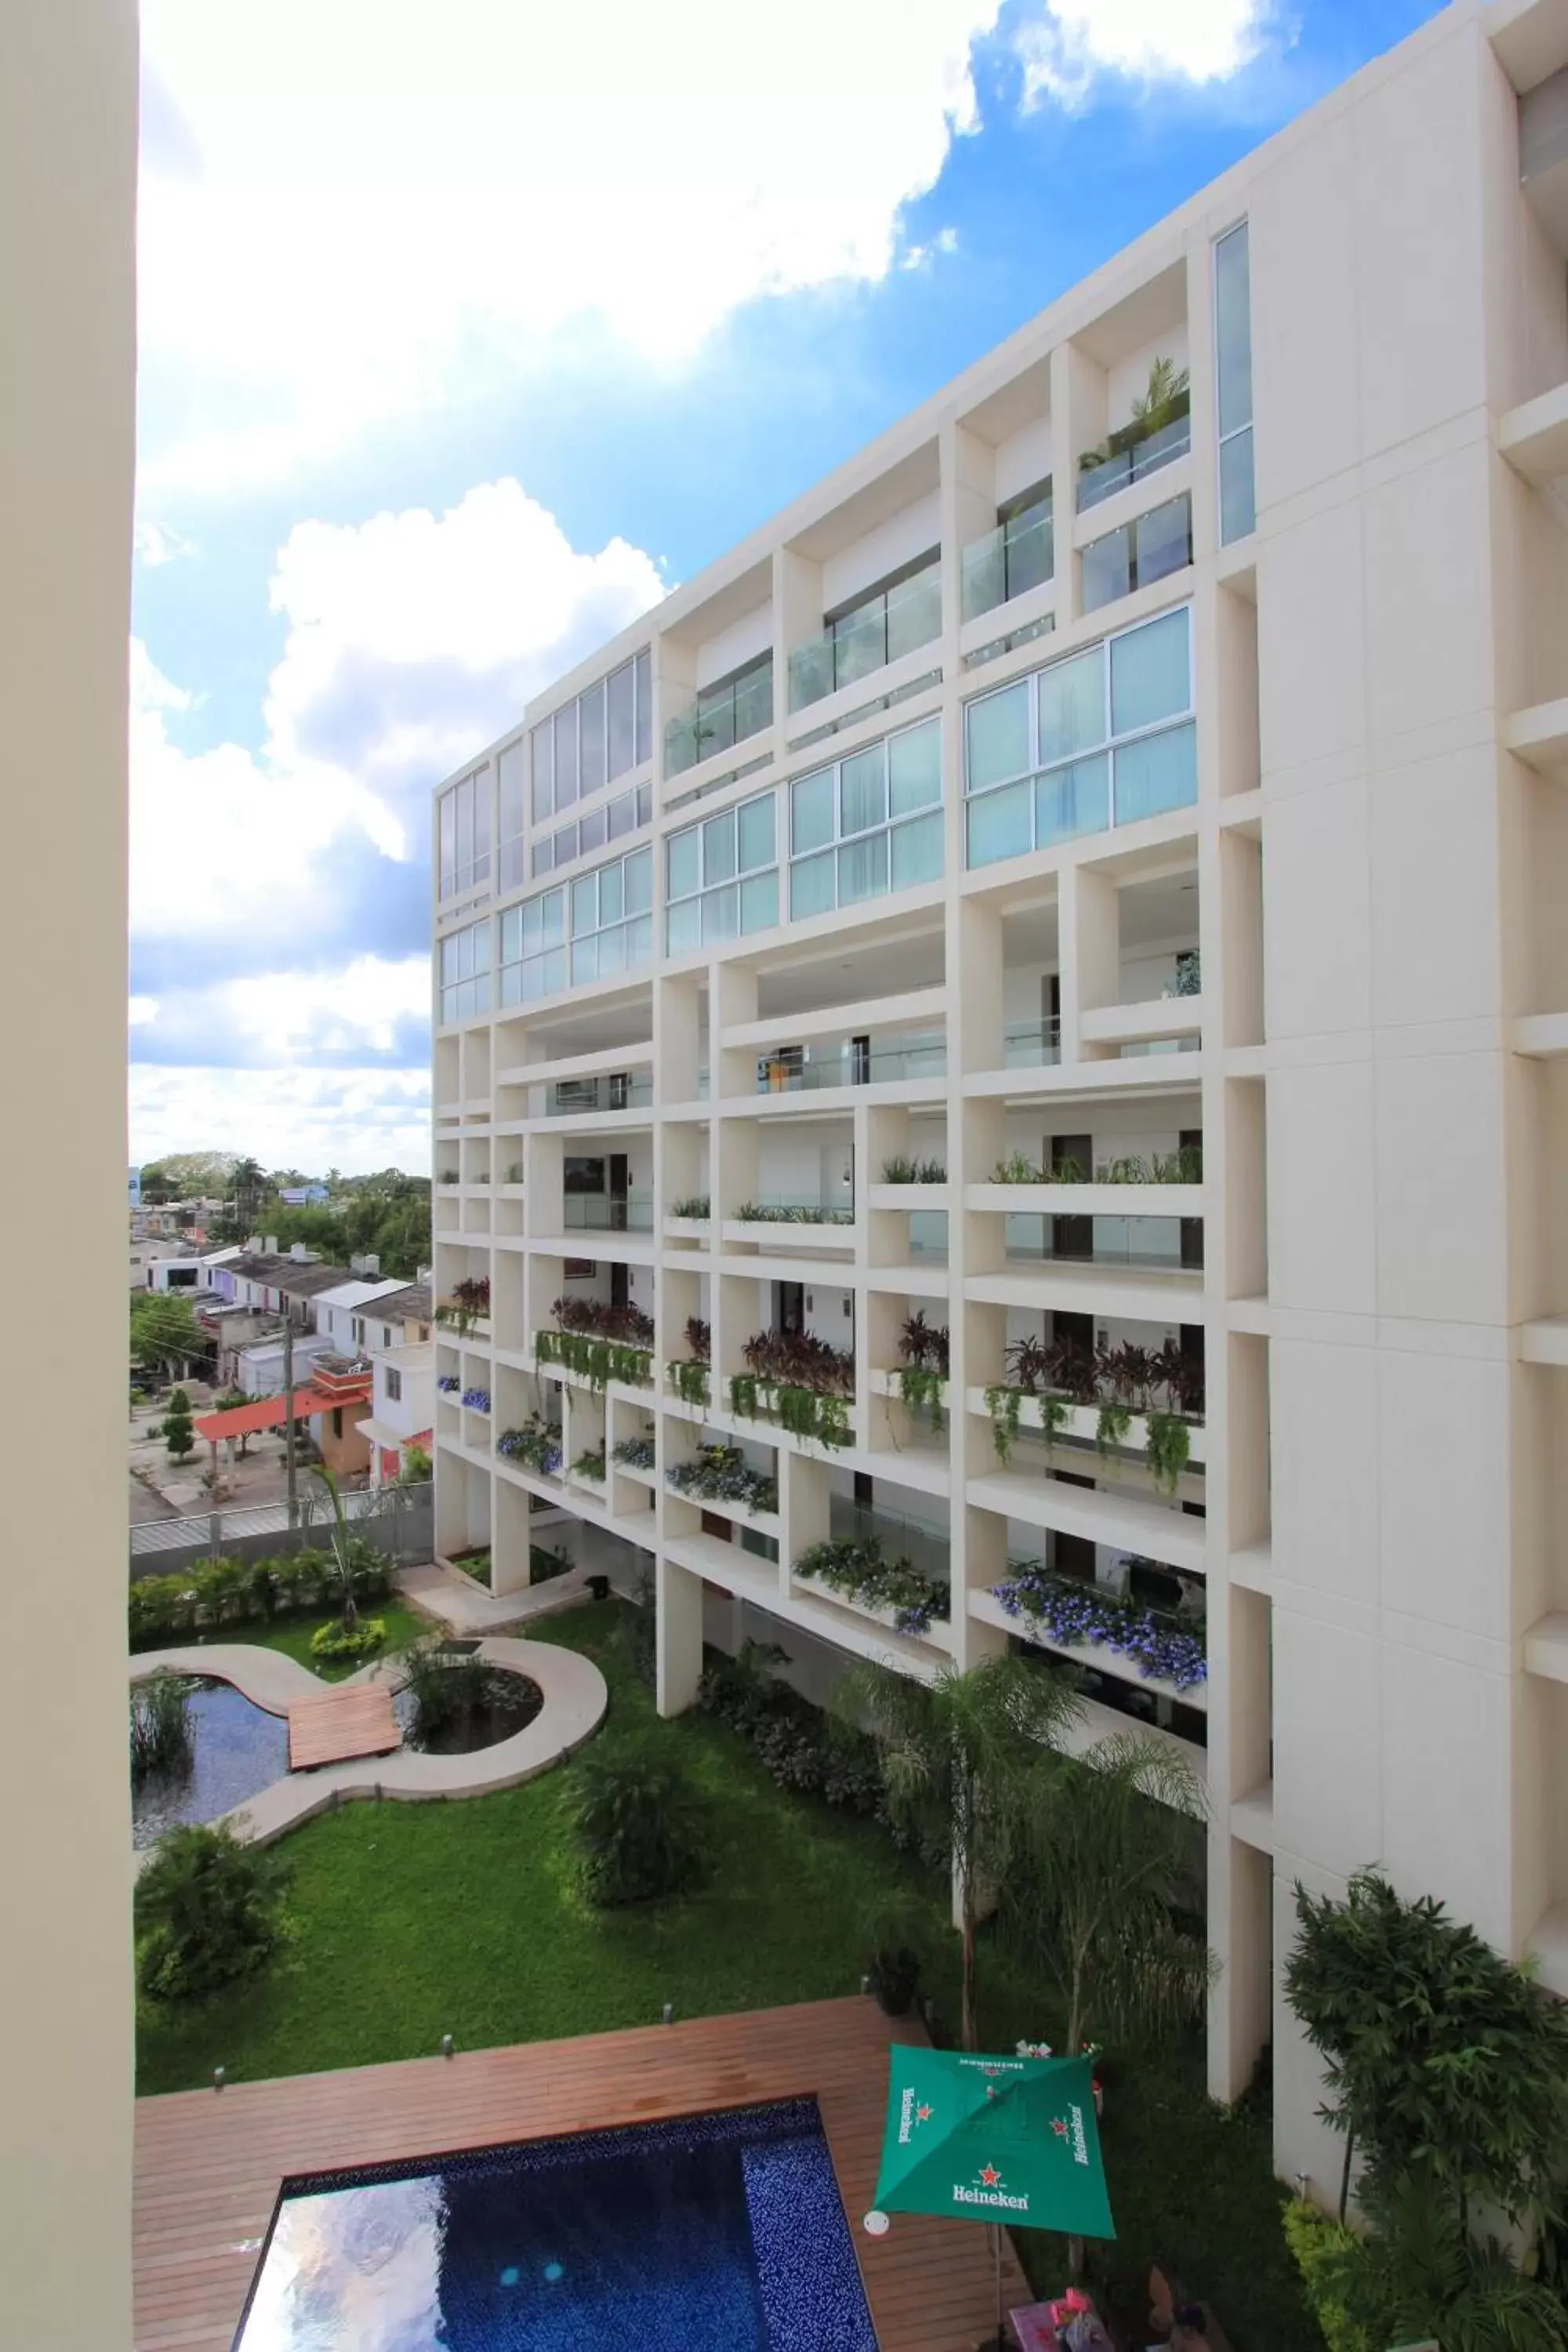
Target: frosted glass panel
(1073, 800)
(914, 769)
(997, 738)
(863, 792)
(1148, 674)
(1072, 706)
(685, 872)
(760, 902)
(999, 825)
(755, 823)
(917, 851)
(1158, 772)
(810, 811)
(862, 869)
(811, 886)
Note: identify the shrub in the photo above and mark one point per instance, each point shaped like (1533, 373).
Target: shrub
(179, 1436)
(160, 1723)
(638, 1828)
(334, 1644)
(235, 1593)
(208, 1911)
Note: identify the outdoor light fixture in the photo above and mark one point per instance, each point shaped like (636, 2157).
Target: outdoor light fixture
(669, 2012)
(1303, 2182)
(448, 2045)
(219, 2078)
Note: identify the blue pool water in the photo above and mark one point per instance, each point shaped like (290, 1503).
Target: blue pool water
(716, 2233)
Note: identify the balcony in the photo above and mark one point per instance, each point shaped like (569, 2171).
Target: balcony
(1132, 456)
(894, 622)
(891, 1061)
(1149, 548)
(1155, 1244)
(719, 718)
(595, 1212)
(1018, 555)
(570, 1097)
(1031, 1044)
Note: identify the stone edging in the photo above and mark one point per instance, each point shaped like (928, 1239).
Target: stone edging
(575, 1697)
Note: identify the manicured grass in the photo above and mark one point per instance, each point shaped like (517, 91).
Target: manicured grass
(414, 1920)
(292, 1634)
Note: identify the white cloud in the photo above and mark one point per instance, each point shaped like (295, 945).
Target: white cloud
(357, 210)
(356, 1119)
(1193, 40)
(410, 640)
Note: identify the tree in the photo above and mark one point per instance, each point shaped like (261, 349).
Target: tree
(207, 1912)
(247, 1185)
(178, 1434)
(1105, 1896)
(1443, 2060)
(164, 1333)
(341, 1545)
(962, 1760)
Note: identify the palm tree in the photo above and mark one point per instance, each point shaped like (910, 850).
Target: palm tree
(962, 1758)
(339, 1547)
(250, 1182)
(1097, 1899)
(1096, 1902)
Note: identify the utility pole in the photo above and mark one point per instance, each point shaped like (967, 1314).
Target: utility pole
(290, 1472)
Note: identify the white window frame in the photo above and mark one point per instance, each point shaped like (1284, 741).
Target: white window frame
(1109, 743)
(705, 890)
(477, 977)
(889, 824)
(1242, 227)
(474, 792)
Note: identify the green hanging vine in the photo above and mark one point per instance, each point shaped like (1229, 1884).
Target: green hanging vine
(688, 1379)
(921, 1387)
(1169, 1446)
(1110, 1430)
(1004, 1405)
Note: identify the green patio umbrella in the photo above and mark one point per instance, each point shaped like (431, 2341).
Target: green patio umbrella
(993, 2139)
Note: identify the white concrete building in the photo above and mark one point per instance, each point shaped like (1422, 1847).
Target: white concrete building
(1177, 800)
(341, 1312)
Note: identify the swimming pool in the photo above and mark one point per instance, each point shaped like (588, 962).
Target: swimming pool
(714, 2233)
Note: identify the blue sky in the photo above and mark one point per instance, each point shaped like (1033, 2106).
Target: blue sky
(466, 329)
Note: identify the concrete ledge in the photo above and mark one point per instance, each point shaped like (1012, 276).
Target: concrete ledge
(574, 1693)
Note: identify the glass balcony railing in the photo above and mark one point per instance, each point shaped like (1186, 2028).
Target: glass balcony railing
(618, 1091)
(1167, 1244)
(1132, 463)
(1031, 1044)
(927, 1542)
(796, 1209)
(1018, 555)
(928, 1236)
(604, 1212)
(721, 718)
(892, 1061)
(882, 630)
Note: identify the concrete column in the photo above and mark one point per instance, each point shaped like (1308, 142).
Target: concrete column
(679, 1652)
(1089, 944)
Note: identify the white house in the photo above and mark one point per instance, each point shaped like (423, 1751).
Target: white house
(403, 1405)
(338, 1310)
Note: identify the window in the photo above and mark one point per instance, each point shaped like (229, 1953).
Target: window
(868, 825)
(359, 1330)
(1147, 548)
(533, 948)
(1233, 380)
(1103, 738)
(627, 813)
(612, 918)
(463, 818)
(394, 1386)
(587, 743)
(337, 1420)
(509, 802)
(722, 877)
(879, 628)
(1018, 555)
(466, 973)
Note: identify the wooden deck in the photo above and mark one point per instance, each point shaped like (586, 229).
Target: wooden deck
(208, 2163)
(341, 1725)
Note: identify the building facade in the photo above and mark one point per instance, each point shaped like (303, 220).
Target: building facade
(1071, 912)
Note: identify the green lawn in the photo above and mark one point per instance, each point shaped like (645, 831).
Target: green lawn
(412, 1920)
(292, 1634)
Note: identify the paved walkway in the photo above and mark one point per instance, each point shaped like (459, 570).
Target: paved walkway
(466, 1606)
(574, 1695)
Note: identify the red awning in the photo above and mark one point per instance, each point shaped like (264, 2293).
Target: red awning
(262, 1412)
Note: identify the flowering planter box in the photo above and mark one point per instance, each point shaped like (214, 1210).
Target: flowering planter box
(1034, 1621)
(939, 1634)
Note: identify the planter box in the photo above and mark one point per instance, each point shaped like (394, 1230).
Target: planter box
(939, 1635)
(787, 1234)
(908, 1196)
(1095, 1655)
(1088, 1200)
(1083, 1423)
